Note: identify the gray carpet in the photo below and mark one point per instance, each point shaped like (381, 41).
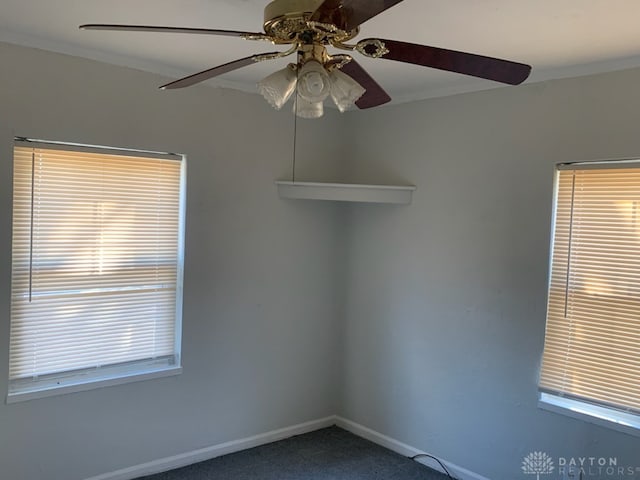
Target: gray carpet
(327, 454)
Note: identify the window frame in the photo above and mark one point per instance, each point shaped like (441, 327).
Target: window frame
(120, 373)
(578, 408)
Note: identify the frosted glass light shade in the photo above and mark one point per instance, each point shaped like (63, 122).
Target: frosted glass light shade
(278, 87)
(313, 82)
(345, 91)
(306, 109)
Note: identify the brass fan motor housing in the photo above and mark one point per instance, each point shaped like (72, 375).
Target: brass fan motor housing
(287, 21)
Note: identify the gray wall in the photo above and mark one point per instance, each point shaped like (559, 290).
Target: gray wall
(446, 298)
(261, 278)
(425, 322)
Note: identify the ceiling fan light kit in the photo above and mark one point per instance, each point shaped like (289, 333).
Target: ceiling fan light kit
(303, 108)
(313, 82)
(278, 87)
(345, 91)
(309, 27)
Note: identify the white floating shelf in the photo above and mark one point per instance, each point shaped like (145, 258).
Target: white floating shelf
(344, 192)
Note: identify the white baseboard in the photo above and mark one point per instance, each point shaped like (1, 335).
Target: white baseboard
(184, 459)
(200, 455)
(405, 450)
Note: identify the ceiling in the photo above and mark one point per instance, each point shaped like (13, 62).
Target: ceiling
(559, 38)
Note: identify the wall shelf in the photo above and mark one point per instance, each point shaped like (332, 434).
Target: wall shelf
(345, 192)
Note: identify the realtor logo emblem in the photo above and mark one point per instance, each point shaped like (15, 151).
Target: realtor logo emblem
(537, 463)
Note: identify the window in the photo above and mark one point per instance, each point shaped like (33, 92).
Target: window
(96, 267)
(591, 361)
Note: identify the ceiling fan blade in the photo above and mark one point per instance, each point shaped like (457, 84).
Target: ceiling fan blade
(219, 70)
(348, 14)
(152, 28)
(374, 95)
(490, 68)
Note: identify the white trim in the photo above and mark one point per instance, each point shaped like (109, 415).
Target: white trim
(195, 456)
(605, 417)
(406, 450)
(79, 384)
(182, 218)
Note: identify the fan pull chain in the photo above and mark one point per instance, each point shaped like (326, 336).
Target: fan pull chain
(295, 126)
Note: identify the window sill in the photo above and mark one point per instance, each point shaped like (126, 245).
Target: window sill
(622, 422)
(83, 384)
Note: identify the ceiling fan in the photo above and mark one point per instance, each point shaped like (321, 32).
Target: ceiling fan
(309, 27)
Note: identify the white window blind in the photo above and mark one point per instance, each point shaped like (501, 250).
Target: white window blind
(96, 263)
(592, 345)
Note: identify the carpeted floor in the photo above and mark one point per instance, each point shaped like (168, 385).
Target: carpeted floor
(327, 454)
